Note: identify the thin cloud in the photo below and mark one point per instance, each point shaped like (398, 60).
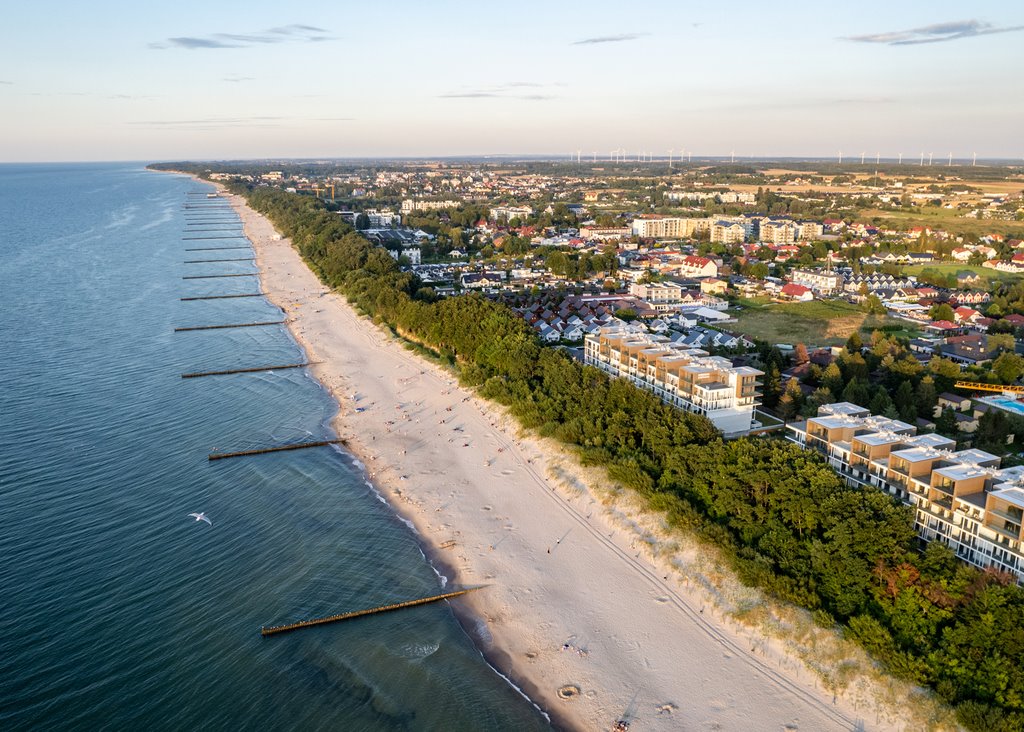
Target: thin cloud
(6, 82)
(609, 39)
(935, 33)
(296, 33)
(508, 90)
(219, 123)
(235, 78)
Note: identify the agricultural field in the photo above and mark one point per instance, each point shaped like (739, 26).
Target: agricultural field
(945, 219)
(817, 323)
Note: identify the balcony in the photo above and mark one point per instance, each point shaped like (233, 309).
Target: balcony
(1013, 518)
(1005, 532)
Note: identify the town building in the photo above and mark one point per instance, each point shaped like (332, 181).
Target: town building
(694, 266)
(960, 497)
(823, 283)
(687, 378)
(727, 232)
(605, 232)
(409, 205)
(667, 227)
(507, 213)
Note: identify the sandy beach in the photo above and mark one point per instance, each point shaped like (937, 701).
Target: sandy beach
(581, 610)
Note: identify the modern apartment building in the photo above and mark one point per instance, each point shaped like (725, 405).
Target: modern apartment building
(668, 227)
(409, 205)
(960, 497)
(778, 231)
(687, 378)
(822, 282)
(727, 232)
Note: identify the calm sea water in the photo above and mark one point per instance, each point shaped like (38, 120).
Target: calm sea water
(117, 610)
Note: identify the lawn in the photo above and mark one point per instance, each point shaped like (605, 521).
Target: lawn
(987, 275)
(815, 323)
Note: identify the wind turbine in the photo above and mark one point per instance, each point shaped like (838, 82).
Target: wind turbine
(974, 159)
(689, 156)
(901, 159)
(861, 157)
(930, 159)
(950, 163)
(732, 157)
(840, 157)
(922, 159)
(578, 153)
(878, 156)
(670, 151)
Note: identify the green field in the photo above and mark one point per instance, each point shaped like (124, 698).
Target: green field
(946, 219)
(817, 323)
(987, 275)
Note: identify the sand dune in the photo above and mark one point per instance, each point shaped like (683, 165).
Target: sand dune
(580, 612)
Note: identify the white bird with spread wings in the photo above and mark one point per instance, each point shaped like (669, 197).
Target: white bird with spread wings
(201, 517)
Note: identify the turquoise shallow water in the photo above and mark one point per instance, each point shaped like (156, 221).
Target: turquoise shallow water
(119, 611)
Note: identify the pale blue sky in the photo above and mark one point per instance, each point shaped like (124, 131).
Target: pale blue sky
(134, 81)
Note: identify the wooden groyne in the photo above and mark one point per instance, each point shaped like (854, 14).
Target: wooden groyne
(214, 249)
(228, 325)
(210, 277)
(197, 374)
(201, 238)
(275, 629)
(204, 261)
(276, 448)
(222, 297)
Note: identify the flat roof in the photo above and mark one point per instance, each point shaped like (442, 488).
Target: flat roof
(1014, 495)
(879, 438)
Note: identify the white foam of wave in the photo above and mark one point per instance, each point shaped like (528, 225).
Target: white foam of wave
(418, 651)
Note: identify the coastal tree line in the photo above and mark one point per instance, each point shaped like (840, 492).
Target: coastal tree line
(787, 521)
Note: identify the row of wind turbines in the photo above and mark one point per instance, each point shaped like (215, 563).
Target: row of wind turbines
(974, 158)
(620, 155)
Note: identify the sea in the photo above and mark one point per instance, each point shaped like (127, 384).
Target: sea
(118, 610)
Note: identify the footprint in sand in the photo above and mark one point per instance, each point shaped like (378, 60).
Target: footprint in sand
(486, 508)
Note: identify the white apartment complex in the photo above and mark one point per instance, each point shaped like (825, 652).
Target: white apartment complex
(687, 378)
(383, 219)
(409, 205)
(823, 283)
(960, 497)
(510, 212)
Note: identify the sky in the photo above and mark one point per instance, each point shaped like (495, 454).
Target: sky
(231, 80)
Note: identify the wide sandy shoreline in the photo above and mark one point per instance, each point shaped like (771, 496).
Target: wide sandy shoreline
(579, 598)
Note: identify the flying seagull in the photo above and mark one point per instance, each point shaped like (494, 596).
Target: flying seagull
(201, 517)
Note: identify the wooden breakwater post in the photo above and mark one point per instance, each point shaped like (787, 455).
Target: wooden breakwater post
(204, 238)
(275, 629)
(212, 277)
(204, 261)
(276, 448)
(227, 325)
(197, 374)
(214, 249)
(222, 297)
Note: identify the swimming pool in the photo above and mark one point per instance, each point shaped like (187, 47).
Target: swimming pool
(1005, 403)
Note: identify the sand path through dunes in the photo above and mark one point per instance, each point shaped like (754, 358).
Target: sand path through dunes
(577, 613)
